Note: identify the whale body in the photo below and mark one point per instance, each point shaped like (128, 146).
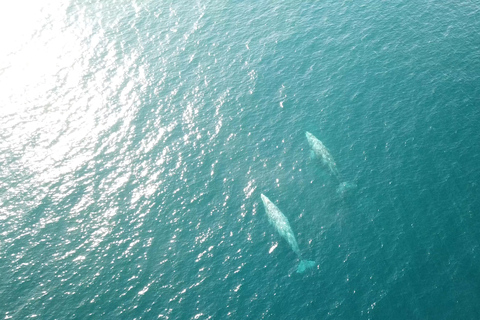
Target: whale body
(321, 152)
(280, 222)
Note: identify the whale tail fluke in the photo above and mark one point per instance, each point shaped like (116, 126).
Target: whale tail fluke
(305, 265)
(345, 187)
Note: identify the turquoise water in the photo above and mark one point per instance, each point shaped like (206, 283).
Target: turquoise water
(137, 137)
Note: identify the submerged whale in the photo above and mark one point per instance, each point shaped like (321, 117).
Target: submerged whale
(319, 151)
(280, 222)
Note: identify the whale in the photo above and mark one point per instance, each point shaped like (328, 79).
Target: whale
(319, 151)
(280, 222)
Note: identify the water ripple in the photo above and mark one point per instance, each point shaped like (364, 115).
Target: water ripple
(135, 139)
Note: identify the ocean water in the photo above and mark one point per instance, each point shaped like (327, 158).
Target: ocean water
(137, 136)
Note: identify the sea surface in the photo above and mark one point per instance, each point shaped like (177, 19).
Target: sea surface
(136, 138)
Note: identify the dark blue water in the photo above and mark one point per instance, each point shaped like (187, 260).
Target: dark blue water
(137, 137)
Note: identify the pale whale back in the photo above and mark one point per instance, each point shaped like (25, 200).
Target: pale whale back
(280, 222)
(322, 152)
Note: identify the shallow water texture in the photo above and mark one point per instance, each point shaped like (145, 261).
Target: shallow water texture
(137, 136)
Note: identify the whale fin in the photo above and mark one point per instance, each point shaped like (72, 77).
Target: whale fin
(312, 155)
(304, 265)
